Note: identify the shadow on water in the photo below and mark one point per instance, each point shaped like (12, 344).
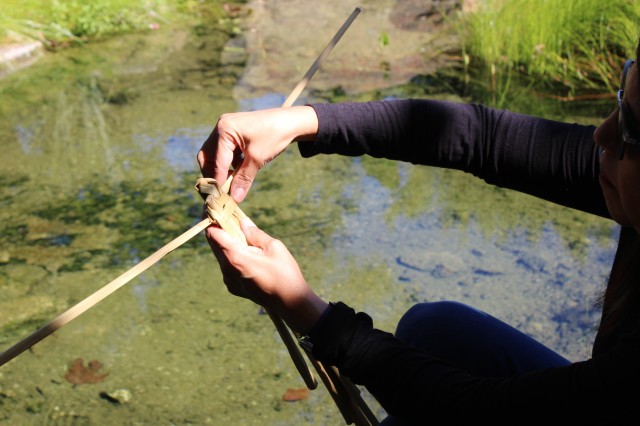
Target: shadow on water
(444, 234)
(97, 172)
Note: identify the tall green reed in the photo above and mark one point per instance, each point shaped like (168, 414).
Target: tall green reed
(567, 48)
(61, 22)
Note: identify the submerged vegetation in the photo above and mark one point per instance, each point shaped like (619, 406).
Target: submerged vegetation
(568, 49)
(98, 173)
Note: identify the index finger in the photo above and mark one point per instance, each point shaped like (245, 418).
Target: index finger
(207, 155)
(215, 157)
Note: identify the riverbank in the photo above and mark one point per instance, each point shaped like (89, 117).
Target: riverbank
(30, 30)
(389, 43)
(17, 54)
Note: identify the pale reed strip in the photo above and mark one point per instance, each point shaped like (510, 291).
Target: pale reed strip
(294, 350)
(341, 401)
(223, 210)
(314, 67)
(108, 289)
(345, 400)
(356, 396)
(82, 306)
(230, 222)
(362, 415)
(345, 394)
(351, 405)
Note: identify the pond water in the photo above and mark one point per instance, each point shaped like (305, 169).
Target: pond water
(97, 172)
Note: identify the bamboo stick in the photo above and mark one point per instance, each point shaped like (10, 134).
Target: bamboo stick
(342, 403)
(123, 279)
(347, 398)
(316, 64)
(356, 397)
(294, 350)
(92, 300)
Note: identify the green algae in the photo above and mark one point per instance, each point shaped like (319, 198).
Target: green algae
(9, 331)
(460, 199)
(89, 189)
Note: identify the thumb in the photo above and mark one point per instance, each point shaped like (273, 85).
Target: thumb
(256, 237)
(242, 180)
(218, 238)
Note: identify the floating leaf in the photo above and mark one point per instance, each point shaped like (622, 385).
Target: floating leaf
(79, 374)
(295, 394)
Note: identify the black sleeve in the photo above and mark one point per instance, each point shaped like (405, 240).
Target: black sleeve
(548, 159)
(415, 386)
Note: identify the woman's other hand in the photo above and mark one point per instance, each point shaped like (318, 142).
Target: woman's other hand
(266, 273)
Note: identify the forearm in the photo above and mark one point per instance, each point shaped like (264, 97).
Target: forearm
(548, 159)
(299, 122)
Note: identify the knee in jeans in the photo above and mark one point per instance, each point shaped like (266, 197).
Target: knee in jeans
(428, 315)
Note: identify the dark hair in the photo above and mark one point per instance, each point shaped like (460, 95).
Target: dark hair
(620, 301)
(621, 298)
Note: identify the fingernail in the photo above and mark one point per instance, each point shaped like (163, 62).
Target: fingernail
(238, 194)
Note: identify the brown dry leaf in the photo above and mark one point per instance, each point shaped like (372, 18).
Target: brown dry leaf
(79, 374)
(295, 394)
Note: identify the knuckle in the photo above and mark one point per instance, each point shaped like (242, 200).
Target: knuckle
(275, 245)
(222, 120)
(243, 178)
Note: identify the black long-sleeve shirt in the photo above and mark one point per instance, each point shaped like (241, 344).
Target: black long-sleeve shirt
(551, 160)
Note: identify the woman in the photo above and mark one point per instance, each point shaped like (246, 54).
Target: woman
(448, 361)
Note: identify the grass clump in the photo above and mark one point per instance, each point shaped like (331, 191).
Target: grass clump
(59, 23)
(566, 47)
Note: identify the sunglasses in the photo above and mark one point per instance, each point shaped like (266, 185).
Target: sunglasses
(625, 134)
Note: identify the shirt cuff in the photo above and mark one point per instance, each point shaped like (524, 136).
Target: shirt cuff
(334, 332)
(326, 122)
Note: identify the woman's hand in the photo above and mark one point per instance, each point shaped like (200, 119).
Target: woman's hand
(266, 273)
(249, 140)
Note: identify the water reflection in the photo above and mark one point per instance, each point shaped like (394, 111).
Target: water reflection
(97, 173)
(179, 149)
(482, 251)
(268, 100)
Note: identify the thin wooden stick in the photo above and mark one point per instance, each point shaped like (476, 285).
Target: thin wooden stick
(359, 409)
(289, 342)
(356, 397)
(344, 393)
(342, 403)
(346, 396)
(224, 211)
(294, 350)
(114, 285)
(351, 406)
(99, 295)
(314, 67)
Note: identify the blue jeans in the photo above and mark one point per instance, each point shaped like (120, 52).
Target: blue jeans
(472, 340)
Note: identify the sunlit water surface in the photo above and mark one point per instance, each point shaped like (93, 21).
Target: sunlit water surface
(97, 172)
